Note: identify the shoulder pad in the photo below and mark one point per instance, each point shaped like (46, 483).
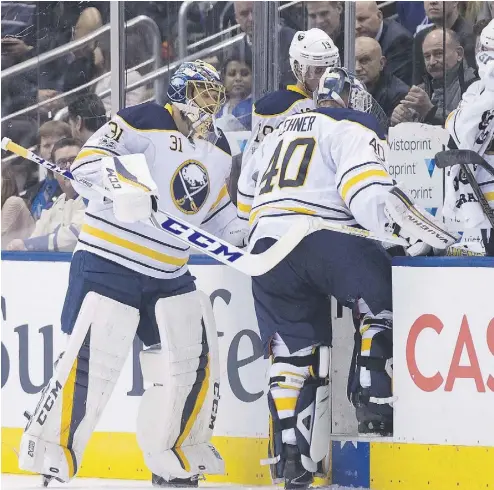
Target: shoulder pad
(222, 143)
(148, 116)
(277, 102)
(351, 115)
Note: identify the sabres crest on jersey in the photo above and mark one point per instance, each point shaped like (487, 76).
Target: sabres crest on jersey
(190, 186)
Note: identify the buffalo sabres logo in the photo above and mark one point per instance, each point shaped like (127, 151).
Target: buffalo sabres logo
(190, 186)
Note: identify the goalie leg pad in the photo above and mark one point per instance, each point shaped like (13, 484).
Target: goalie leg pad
(371, 379)
(177, 413)
(299, 405)
(412, 222)
(71, 404)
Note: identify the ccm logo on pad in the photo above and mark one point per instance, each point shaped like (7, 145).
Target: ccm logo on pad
(464, 363)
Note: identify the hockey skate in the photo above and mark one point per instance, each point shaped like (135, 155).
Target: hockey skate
(160, 482)
(370, 422)
(296, 476)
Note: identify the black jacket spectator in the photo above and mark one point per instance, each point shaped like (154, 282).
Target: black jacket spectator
(396, 44)
(389, 91)
(462, 27)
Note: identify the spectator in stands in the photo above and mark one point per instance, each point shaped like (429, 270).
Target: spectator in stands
(431, 102)
(387, 89)
(135, 53)
(42, 195)
(327, 16)
(243, 15)
(86, 115)
(410, 15)
(58, 228)
(395, 40)
(443, 14)
(17, 221)
(237, 76)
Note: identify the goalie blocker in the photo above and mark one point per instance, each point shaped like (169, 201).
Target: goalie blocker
(177, 412)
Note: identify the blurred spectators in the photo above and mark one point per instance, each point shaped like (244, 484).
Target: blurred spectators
(436, 97)
(243, 15)
(443, 14)
(58, 228)
(327, 16)
(387, 89)
(237, 76)
(395, 40)
(17, 221)
(134, 55)
(86, 115)
(42, 195)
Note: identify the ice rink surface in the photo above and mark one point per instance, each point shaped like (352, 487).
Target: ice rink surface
(19, 482)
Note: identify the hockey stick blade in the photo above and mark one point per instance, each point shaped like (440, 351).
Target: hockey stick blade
(449, 158)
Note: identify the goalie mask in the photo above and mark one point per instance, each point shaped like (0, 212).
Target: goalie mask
(344, 88)
(311, 52)
(196, 89)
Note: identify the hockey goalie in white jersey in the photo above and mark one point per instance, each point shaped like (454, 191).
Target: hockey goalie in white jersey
(471, 127)
(127, 278)
(328, 163)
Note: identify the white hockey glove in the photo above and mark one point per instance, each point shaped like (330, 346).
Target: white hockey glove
(419, 227)
(134, 192)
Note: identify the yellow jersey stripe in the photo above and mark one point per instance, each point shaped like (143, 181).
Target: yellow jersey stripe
(489, 196)
(294, 88)
(193, 416)
(298, 210)
(86, 153)
(285, 403)
(359, 178)
(140, 249)
(66, 418)
(223, 192)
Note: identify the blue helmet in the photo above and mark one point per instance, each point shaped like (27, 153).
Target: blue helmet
(196, 89)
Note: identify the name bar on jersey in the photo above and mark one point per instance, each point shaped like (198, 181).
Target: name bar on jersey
(299, 124)
(200, 240)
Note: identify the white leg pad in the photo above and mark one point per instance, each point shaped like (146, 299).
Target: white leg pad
(177, 413)
(72, 402)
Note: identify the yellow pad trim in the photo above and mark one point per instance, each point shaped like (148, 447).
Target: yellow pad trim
(285, 403)
(362, 176)
(87, 153)
(121, 242)
(193, 416)
(293, 209)
(133, 183)
(67, 408)
(366, 345)
(489, 196)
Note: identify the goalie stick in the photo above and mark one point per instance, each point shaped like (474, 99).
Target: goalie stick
(222, 251)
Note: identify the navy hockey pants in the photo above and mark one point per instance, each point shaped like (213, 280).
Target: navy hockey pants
(90, 272)
(292, 299)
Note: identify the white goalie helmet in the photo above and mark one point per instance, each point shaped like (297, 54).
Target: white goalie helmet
(487, 37)
(310, 52)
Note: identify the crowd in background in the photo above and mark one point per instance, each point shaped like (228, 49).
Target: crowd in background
(415, 58)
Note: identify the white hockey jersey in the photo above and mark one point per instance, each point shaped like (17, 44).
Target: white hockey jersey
(191, 179)
(329, 163)
(271, 110)
(467, 126)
